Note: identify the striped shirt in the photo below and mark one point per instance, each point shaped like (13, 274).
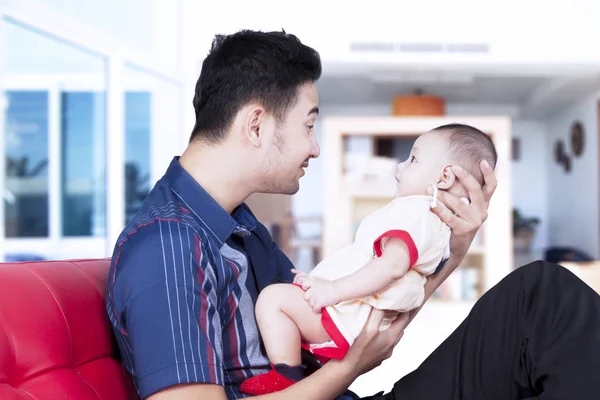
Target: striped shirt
(184, 279)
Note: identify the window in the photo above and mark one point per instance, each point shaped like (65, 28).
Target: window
(137, 150)
(63, 196)
(152, 126)
(83, 175)
(54, 136)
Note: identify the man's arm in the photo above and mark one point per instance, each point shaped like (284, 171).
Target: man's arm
(166, 297)
(324, 384)
(370, 348)
(194, 391)
(463, 219)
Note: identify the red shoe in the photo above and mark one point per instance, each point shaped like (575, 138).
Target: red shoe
(269, 382)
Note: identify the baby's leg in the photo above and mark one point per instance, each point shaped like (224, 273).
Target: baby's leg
(285, 319)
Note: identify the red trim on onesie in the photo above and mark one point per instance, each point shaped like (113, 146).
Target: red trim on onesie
(413, 252)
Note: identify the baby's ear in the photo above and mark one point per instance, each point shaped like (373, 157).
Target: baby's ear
(447, 178)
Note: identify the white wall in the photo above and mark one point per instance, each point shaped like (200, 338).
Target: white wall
(529, 176)
(573, 202)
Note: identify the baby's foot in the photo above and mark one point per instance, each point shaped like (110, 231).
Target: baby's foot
(272, 381)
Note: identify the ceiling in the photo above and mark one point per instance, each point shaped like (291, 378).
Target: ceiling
(489, 90)
(533, 95)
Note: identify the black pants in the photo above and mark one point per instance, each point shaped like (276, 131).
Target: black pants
(535, 335)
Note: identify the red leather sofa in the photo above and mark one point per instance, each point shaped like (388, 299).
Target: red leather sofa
(56, 341)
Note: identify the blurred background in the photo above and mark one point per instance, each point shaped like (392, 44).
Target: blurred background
(96, 99)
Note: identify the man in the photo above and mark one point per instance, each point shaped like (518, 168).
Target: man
(187, 270)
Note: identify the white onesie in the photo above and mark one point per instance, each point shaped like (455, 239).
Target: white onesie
(427, 238)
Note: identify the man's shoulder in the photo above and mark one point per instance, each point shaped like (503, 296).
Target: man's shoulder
(152, 247)
(155, 228)
(161, 209)
(161, 223)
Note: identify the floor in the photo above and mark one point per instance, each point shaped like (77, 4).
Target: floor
(434, 323)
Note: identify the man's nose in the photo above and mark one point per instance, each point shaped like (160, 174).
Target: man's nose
(316, 150)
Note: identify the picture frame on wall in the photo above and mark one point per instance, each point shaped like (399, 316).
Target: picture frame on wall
(577, 138)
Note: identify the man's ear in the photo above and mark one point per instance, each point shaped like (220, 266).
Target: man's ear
(254, 124)
(447, 178)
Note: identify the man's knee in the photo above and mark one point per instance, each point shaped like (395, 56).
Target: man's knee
(537, 267)
(544, 272)
(532, 274)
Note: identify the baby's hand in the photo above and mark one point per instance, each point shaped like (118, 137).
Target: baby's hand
(319, 293)
(300, 277)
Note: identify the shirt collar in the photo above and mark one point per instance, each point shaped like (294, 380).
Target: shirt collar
(213, 216)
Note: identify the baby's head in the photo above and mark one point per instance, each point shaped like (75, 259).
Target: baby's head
(434, 153)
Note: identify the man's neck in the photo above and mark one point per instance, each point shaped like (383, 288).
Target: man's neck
(219, 171)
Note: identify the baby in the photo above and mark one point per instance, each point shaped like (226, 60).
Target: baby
(386, 266)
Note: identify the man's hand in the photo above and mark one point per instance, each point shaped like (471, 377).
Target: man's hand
(463, 219)
(319, 293)
(372, 347)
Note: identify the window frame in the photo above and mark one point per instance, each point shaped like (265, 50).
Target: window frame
(117, 58)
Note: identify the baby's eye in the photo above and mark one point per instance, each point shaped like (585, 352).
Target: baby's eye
(412, 159)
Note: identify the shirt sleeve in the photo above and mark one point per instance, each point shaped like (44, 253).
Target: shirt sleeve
(171, 320)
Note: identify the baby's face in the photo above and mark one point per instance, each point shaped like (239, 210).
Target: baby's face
(424, 165)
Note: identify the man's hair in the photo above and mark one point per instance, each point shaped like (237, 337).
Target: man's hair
(469, 146)
(266, 67)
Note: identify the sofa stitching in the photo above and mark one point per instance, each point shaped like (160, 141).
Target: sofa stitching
(93, 283)
(74, 263)
(26, 392)
(91, 387)
(61, 311)
(11, 341)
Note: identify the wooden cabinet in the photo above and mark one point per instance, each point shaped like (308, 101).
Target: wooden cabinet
(349, 199)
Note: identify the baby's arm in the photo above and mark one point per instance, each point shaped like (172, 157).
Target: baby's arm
(372, 278)
(377, 275)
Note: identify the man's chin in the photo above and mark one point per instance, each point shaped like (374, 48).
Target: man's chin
(289, 189)
(292, 189)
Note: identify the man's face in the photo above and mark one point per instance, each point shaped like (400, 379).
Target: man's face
(293, 144)
(424, 165)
